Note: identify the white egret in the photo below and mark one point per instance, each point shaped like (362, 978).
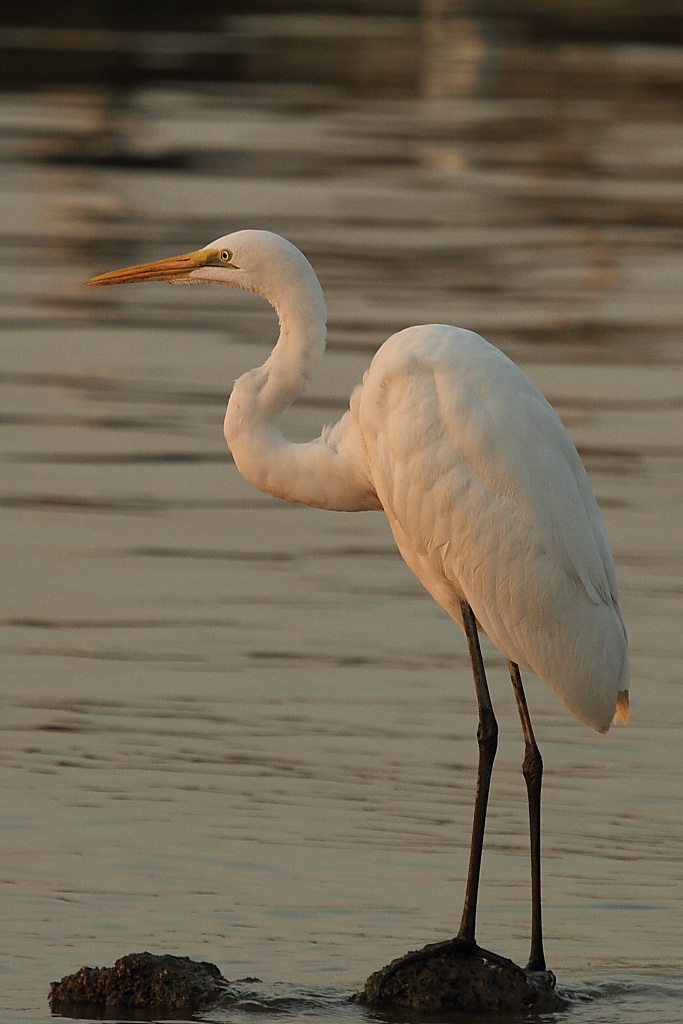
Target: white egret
(484, 491)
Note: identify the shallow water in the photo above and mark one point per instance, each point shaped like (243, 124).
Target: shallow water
(236, 729)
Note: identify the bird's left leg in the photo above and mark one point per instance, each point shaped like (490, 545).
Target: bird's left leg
(533, 775)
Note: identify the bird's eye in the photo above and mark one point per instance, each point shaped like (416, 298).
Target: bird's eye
(226, 255)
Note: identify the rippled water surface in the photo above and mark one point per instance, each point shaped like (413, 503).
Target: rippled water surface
(239, 730)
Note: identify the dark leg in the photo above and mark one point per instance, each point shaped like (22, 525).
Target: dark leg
(533, 775)
(487, 737)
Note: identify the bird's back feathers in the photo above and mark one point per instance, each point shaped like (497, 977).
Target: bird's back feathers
(488, 500)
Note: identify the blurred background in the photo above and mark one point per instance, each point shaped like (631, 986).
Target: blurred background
(237, 729)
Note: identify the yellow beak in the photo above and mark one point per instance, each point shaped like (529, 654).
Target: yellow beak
(174, 267)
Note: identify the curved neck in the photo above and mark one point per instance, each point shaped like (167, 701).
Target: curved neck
(260, 396)
(323, 473)
(302, 315)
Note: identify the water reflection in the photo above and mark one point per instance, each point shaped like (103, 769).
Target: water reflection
(237, 729)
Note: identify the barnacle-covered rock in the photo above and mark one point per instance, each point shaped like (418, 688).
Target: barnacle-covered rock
(141, 982)
(447, 977)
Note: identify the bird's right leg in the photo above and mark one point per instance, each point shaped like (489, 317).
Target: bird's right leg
(487, 737)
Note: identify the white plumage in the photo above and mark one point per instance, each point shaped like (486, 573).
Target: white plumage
(488, 500)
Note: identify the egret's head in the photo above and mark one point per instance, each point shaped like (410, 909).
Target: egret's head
(257, 261)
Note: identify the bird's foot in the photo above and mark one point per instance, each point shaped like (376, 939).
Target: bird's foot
(543, 980)
(430, 952)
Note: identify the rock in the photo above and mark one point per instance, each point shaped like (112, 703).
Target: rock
(141, 981)
(450, 977)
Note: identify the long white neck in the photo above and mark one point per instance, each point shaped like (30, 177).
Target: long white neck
(302, 315)
(314, 473)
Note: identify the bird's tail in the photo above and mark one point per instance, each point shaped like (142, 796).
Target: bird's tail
(621, 711)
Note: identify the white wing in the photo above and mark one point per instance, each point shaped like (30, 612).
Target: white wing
(488, 499)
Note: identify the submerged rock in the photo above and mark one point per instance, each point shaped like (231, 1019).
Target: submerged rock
(141, 982)
(447, 977)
